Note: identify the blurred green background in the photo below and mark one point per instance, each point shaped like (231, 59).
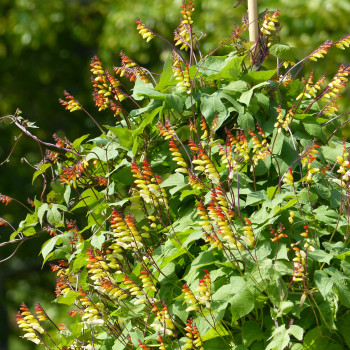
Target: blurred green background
(45, 48)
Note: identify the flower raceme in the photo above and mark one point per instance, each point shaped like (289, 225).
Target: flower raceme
(144, 31)
(269, 23)
(71, 104)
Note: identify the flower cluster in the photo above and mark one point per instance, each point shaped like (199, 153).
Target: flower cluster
(283, 122)
(269, 24)
(93, 312)
(131, 69)
(107, 93)
(320, 51)
(177, 157)
(125, 234)
(5, 199)
(288, 177)
(71, 104)
(30, 325)
(343, 42)
(148, 184)
(182, 75)
(337, 84)
(163, 321)
(183, 34)
(311, 90)
(193, 340)
(299, 264)
(260, 147)
(279, 234)
(144, 31)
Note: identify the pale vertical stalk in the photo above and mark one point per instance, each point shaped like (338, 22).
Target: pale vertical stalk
(253, 26)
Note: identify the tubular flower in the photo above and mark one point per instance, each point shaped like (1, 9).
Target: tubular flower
(204, 128)
(277, 235)
(182, 35)
(182, 75)
(161, 341)
(194, 182)
(311, 90)
(30, 325)
(92, 313)
(147, 282)
(163, 322)
(260, 148)
(71, 104)
(113, 291)
(144, 31)
(291, 217)
(71, 174)
(5, 199)
(40, 313)
(205, 222)
(343, 42)
(177, 157)
(62, 142)
(65, 280)
(269, 23)
(283, 122)
(204, 290)
(106, 88)
(331, 108)
(143, 346)
(288, 177)
(248, 236)
(337, 84)
(148, 184)
(205, 164)
(131, 69)
(190, 299)
(298, 265)
(134, 290)
(98, 269)
(193, 340)
(167, 131)
(320, 51)
(125, 234)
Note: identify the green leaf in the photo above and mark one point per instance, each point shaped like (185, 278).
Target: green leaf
(79, 141)
(103, 154)
(282, 51)
(323, 282)
(211, 106)
(173, 101)
(142, 89)
(49, 245)
(97, 240)
(320, 255)
(259, 76)
(313, 129)
(177, 180)
(42, 210)
(280, 339)
(219, 67)
(165, 79)
(246, 121)
(296, 331)
(42, 169)
(254, 198)
(125, 136)
(242, 304)
(251, 332)
(53, 215)
(68, 299)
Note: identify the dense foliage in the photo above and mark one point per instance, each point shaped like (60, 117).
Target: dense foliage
(214, 214)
